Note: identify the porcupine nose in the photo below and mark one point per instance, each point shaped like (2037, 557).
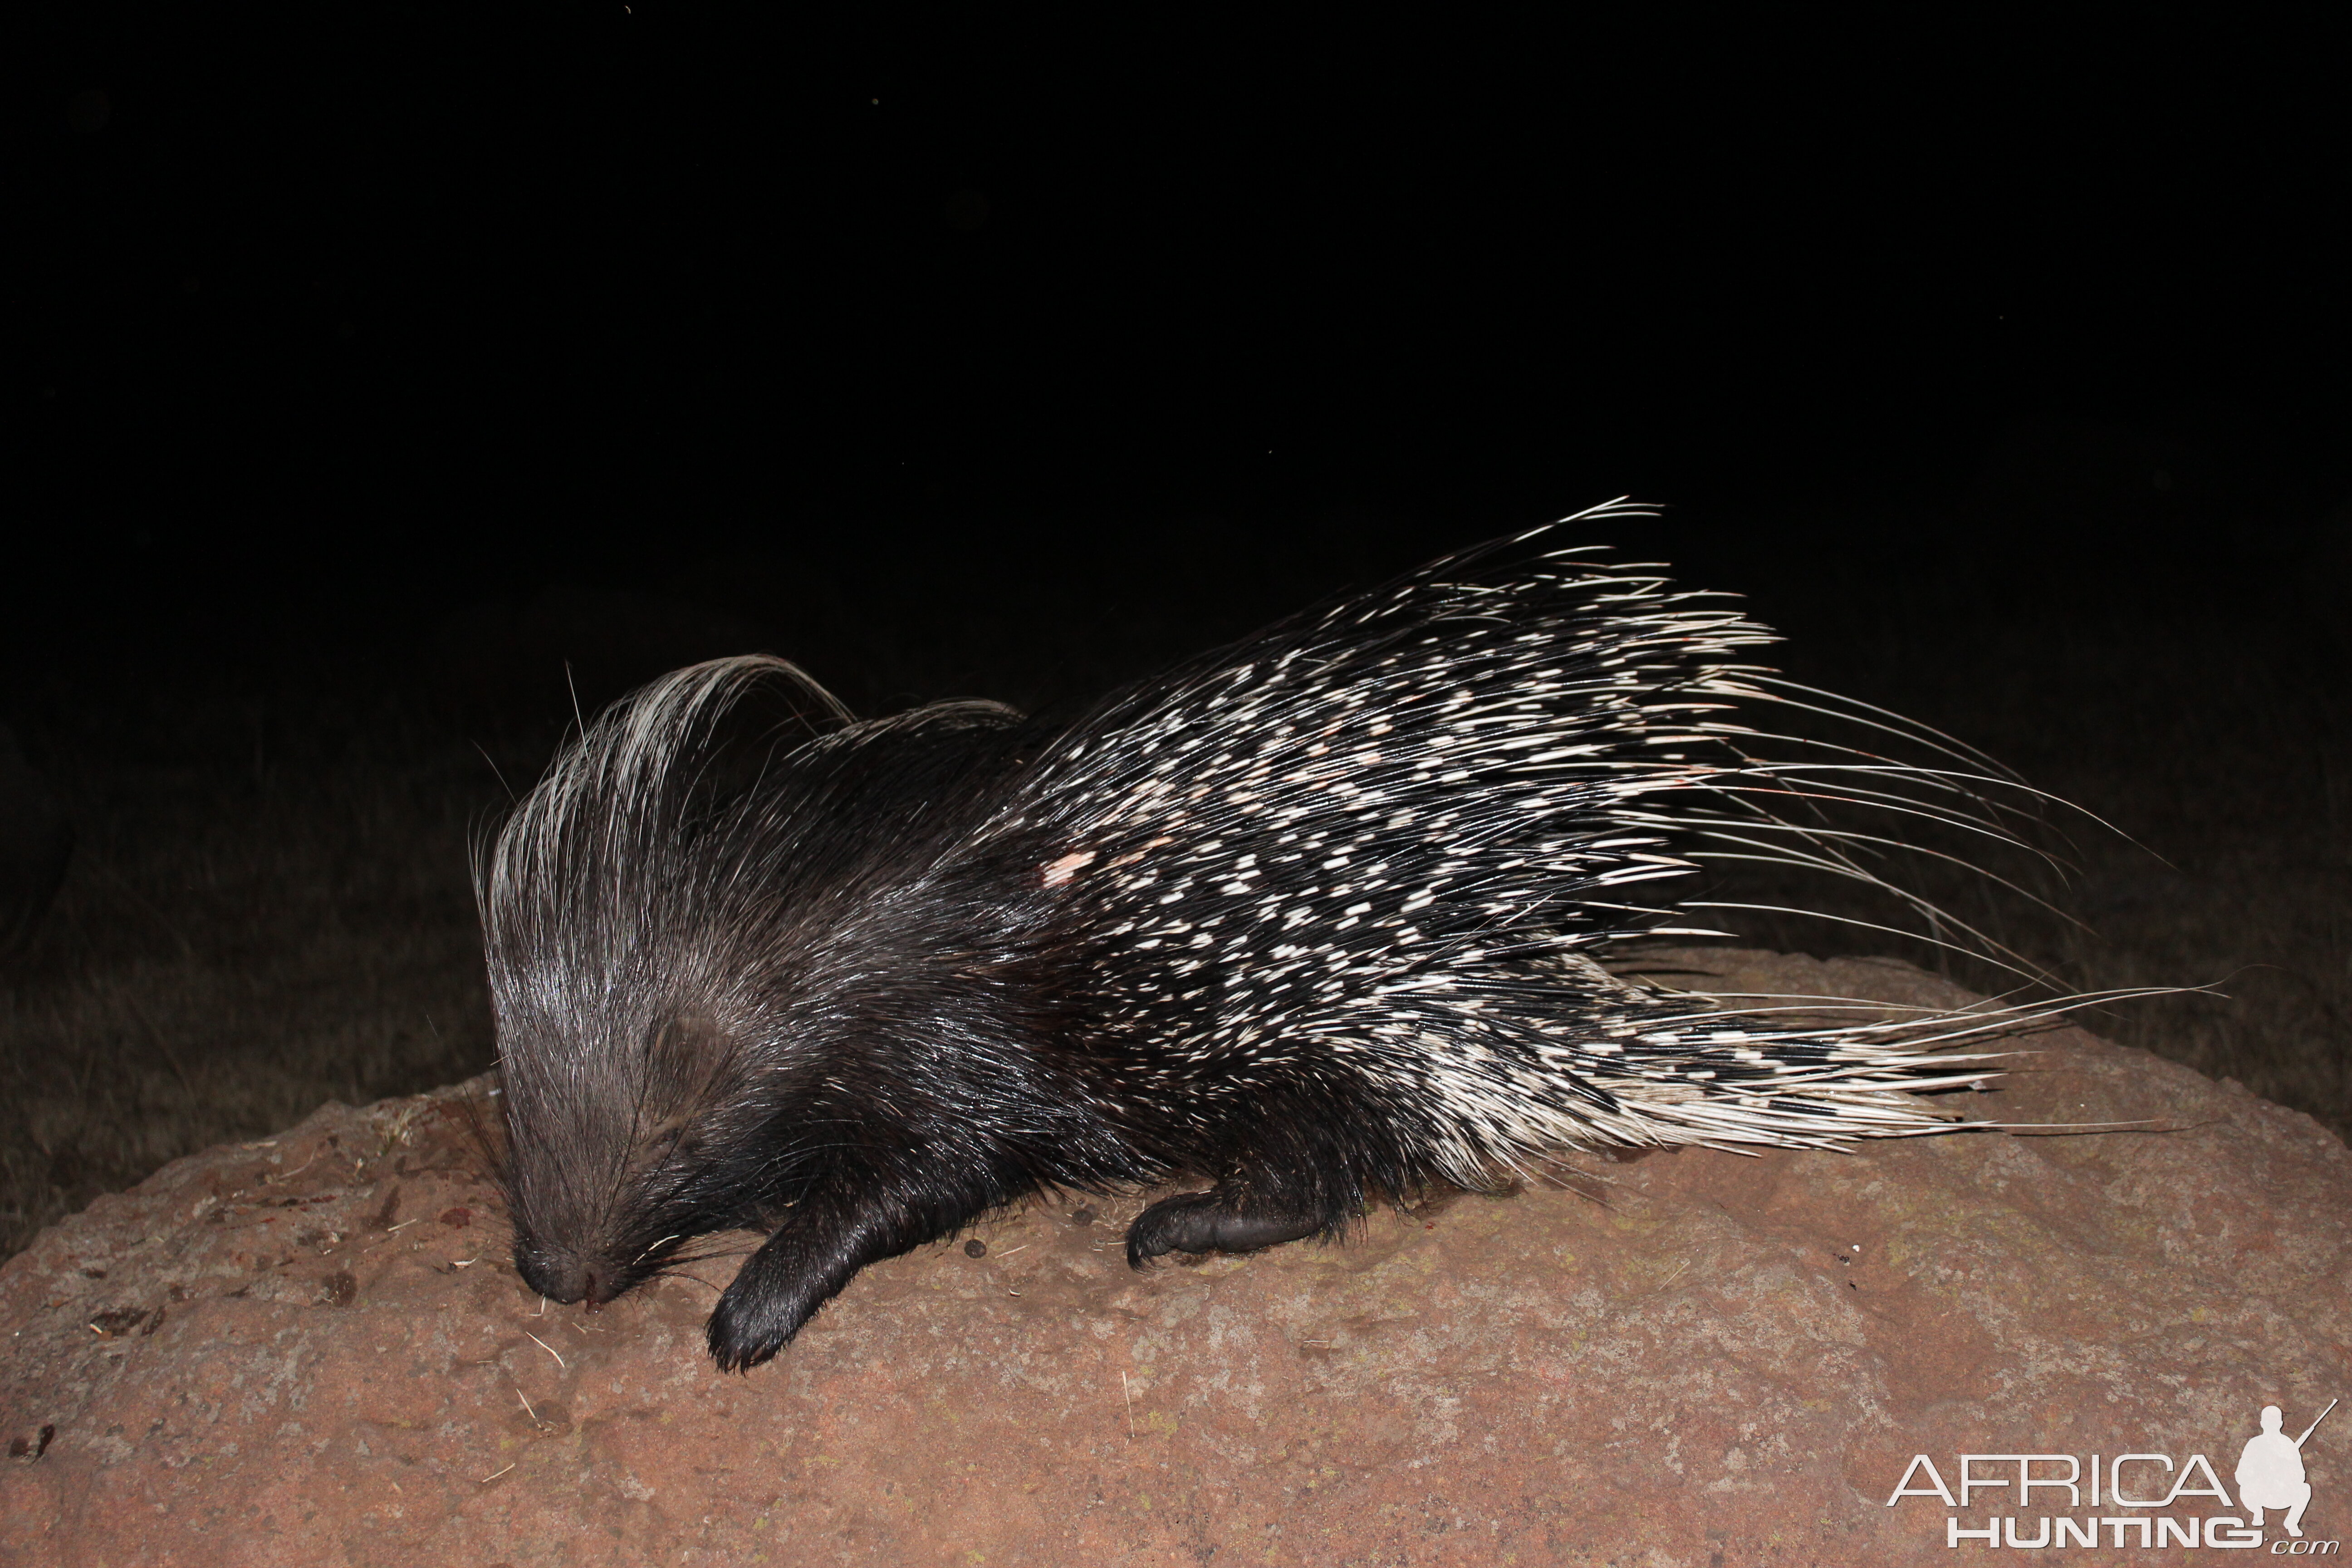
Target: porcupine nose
(565, 1280)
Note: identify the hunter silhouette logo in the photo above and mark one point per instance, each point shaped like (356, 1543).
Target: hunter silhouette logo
(2147, 1500)
(2270, 1471)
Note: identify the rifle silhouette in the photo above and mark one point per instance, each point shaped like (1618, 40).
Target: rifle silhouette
(2313, 1428)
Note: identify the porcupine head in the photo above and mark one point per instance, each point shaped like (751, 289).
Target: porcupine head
(726, 992)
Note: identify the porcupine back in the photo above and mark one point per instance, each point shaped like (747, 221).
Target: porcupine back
(1367, 856)
(1313, 917)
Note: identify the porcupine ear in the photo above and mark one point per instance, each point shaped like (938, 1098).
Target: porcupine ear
(682, 1058)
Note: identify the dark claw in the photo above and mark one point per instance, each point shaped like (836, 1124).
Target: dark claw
(749, 1327)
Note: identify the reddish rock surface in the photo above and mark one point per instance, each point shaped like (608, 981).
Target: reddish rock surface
(312, 1350)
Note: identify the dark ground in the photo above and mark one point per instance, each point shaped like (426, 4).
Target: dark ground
(378, 362)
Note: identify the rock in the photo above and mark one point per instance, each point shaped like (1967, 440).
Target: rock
(314, 1350)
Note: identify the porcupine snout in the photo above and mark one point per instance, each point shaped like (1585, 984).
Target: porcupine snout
(566, 1277)
(569, 1250)
(578, 1218)
(611, 1122)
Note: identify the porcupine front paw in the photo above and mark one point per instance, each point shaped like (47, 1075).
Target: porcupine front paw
(778, 1289)
(1205, 1222)
(750, 1325)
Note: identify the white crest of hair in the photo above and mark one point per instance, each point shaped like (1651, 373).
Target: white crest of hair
(589, 887)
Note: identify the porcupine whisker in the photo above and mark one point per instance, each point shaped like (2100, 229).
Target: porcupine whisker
(641, 1257)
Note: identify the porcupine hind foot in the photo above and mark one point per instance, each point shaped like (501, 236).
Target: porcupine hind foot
(1248, 1210)
(1209, 1222)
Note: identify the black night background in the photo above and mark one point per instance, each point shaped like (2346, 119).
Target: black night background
(384, 376)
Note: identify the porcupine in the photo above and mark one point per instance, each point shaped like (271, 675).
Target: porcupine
(1314, 918)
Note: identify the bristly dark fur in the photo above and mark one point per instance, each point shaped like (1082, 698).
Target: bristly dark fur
(1312, 918)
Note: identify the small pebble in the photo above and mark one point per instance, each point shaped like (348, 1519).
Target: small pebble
(1082, 1216)
(975, 1247)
